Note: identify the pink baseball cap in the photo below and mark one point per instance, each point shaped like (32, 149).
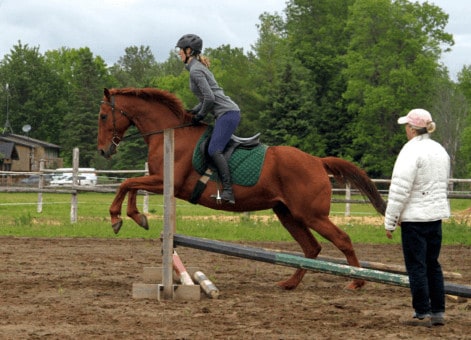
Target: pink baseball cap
(416, 117)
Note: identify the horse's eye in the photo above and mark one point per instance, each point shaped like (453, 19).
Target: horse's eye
(103, 116)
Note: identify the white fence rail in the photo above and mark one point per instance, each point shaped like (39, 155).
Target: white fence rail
(8, 185)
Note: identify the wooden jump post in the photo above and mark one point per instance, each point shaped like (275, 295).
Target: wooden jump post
(169, 215)
(171, 262)
(295, 261)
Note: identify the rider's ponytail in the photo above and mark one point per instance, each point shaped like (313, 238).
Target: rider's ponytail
(203, 60)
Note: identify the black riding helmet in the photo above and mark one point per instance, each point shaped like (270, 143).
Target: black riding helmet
(193, 41)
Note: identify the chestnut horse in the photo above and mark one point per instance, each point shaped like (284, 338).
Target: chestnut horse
(294, 184)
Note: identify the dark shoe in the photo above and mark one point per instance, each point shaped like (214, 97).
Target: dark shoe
(421, 320)
(228, 196)
(224, 173)
(437, 319)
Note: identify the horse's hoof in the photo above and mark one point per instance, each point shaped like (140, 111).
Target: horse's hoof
(356, 285)
(117, 226)
(144, 224)
(286, 285)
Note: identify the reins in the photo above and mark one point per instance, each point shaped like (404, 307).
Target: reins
(156, 132)
(116, 140)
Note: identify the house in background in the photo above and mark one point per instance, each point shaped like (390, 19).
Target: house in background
(8, 153)
(22, 153)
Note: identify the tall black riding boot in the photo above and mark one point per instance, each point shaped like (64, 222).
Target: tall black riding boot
(224, 173)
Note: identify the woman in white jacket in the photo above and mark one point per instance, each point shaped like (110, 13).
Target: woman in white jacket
(417, 201)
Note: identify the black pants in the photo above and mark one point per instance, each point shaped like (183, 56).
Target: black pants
(421, 243)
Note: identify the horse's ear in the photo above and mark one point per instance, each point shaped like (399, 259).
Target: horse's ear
(107, 93)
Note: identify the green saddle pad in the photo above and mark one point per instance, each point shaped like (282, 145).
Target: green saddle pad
(245, 164)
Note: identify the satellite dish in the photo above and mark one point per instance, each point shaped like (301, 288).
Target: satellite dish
(26, 128)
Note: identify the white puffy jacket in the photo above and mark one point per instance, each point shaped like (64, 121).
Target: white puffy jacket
(418, 190)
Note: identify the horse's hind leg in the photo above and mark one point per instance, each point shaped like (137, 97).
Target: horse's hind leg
(133, 212)
(304, 237)
(342, 241)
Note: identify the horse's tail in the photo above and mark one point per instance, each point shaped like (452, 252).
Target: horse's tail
(345, 171)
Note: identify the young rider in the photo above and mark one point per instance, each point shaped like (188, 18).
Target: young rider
(211, 100)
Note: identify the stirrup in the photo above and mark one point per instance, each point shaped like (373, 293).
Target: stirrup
(217, 197)
(220, 199)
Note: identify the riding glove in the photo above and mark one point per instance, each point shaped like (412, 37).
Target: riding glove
(197, 118)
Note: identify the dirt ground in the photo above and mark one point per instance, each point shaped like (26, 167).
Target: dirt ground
(82, 288)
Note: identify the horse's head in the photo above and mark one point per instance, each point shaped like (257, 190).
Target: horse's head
(150, 110)
(112, 124)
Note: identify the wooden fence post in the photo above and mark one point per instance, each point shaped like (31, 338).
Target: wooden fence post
(40, 186)
(74, 201)
(145, 201)
(348, 196)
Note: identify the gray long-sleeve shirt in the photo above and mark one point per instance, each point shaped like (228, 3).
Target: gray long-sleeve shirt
(211, 96)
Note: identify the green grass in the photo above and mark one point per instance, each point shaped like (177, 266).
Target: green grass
(19, 218)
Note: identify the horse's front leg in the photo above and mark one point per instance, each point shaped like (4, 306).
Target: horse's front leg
(152, 183)
(115, 209)
(134, 213)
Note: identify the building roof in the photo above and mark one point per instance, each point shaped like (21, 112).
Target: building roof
(8, 150)
(26, 141)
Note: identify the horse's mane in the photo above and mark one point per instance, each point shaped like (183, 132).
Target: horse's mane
(152, 94)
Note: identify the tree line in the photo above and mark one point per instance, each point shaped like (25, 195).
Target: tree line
(330, 77)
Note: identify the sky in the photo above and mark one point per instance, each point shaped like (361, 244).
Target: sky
(107, 27)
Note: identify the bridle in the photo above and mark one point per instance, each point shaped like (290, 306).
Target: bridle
(116, 139)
